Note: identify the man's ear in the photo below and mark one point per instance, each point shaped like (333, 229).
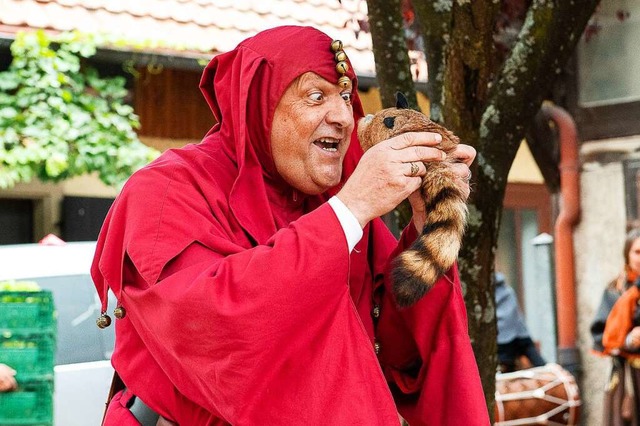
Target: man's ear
(401, 101)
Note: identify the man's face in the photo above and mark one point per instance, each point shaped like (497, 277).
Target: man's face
(311, 131)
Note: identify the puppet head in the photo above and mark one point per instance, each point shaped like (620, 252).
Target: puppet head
(390, 122)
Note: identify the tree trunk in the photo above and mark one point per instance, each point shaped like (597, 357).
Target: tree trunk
(393, 67)
(489, 105)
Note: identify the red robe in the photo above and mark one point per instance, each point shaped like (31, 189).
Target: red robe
(243, 303)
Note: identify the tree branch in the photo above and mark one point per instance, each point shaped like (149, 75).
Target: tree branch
(549, 35)
(435, 20)
(393, 67)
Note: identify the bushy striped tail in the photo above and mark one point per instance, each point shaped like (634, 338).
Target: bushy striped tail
(434, 252)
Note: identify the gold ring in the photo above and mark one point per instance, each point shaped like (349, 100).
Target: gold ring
(414, 169)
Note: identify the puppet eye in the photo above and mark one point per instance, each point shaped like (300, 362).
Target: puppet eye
(389, 122)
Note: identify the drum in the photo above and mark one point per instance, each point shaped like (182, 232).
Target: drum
(546, 395)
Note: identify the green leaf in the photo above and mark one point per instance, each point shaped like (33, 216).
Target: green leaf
(56, 164)
(59, 119)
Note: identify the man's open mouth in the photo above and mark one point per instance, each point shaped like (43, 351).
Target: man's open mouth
(328, 144)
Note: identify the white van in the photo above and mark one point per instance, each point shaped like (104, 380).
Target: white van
(82, 371)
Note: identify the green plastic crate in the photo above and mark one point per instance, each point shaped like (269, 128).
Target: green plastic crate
(27, 311)
(32, 356)
(31, 404)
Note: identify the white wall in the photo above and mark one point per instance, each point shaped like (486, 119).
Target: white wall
(598, 243)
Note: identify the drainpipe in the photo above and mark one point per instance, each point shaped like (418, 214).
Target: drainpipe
(568, 218)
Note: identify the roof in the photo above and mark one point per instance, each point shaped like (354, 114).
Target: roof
(192, 28)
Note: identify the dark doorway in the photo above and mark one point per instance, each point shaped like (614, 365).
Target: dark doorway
(16, 221)
(82, 217)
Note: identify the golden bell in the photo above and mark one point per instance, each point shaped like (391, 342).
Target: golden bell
(344, 82)
(103, 321)
(342, 67)
(376, 311)
(340, 56)
(336, 45)
(119, 312)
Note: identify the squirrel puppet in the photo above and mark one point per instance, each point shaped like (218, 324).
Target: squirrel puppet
(433, 253)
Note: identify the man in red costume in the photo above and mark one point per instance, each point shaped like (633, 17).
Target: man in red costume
(251, 269)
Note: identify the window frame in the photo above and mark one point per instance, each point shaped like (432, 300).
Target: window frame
(518, 198)
(613, 120)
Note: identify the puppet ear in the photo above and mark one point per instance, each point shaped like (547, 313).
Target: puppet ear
(401, 101)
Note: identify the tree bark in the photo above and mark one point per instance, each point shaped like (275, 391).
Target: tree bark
(543, 144)
(393, 67)
(490, 105)
(435, 25)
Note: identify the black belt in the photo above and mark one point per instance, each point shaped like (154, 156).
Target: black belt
(142, 412)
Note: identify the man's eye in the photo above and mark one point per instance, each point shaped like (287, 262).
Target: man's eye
(346, 96)
(316, 96)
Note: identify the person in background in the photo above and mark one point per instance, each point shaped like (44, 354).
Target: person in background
(251, 270)
(7, 378)
(616, 334)
(514, 340)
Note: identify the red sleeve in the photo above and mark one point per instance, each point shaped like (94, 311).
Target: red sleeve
(267, 335)
(426, 353)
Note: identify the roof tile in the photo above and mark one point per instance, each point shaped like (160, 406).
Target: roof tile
(11, 13)
(116, 6)
(196, 26)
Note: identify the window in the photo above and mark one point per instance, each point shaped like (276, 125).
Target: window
(526, 214)
(77, 305)
(607, 54)
(16, 221)
(82, 217)
(604, 96)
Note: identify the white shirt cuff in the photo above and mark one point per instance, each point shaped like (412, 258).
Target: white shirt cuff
(349, 223)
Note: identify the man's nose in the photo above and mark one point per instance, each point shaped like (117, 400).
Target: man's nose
(340, 113)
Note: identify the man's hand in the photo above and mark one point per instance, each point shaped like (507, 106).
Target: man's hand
(7, 378)
(462, 157)
(633, 339)
(388, 173)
